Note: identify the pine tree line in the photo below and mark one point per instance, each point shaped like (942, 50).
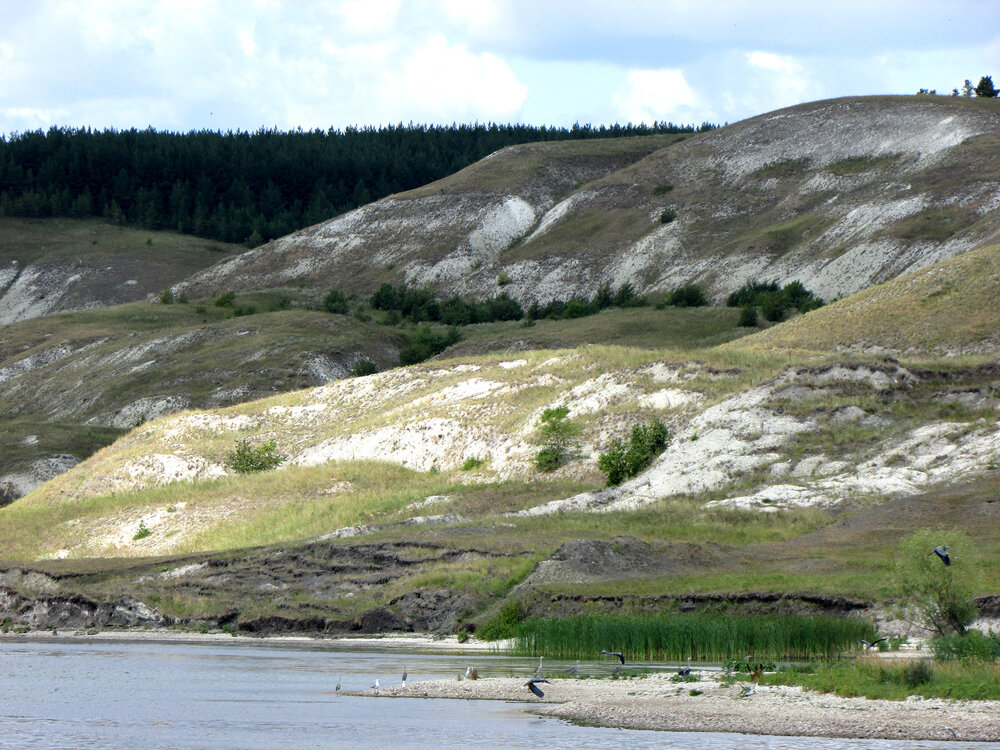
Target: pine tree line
(247, 187)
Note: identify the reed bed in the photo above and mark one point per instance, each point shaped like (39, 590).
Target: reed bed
(701, 637)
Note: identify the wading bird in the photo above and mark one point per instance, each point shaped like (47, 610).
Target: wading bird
(865, 645)
(618, 654)
(728, 671)
(685, 671)
(617, 670)
(942, 552)
(747, 690)
(538, 669)
(575, 669)
(337, 689)
(468, 672)
(532, 685)
(404, 675)
(375, 686)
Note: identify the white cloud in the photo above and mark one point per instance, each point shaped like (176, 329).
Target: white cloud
(369, 16)
(651, 95)
(771, 61)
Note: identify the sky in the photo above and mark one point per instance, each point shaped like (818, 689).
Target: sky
(224, 65)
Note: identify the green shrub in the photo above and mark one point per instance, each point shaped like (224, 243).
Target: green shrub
(225, 299)
(689, 295)
(335, 302)
(972, 646)
(425, 343)
(284, 302)
(167, 296)
(942, 595)
(503, 279)
(364, 367)
(662, 189)
(504, 623)
(557, 436)
(247, 459)
(142, 533)
(621, 462)
(472, 463)
(668, 216)
(748, 316)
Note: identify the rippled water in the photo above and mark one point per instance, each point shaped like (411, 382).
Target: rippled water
(158, 696)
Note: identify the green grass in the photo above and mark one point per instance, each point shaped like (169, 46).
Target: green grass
(704, 638)
(862, 164)
(783, 169)
(935, 224)
(897, 680)
(61, 240)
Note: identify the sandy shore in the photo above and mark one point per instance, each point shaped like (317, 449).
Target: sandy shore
(655, 702)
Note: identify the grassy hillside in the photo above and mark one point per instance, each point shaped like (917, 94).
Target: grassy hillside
(949, 308)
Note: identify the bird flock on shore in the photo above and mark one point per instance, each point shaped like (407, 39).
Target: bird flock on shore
(745, 690)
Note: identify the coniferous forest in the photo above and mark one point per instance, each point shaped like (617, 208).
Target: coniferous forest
(241, 186)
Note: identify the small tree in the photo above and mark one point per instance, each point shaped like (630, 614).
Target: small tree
(968, 89)
(335, 302)
(557, 436)
(246, 459)
(986, 88)
(941, 595)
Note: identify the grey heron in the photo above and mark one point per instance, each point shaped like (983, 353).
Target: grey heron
(942, 552)
(617, 654)
(468, 672)
(575, 669)
(617, 670)
(866, 645)
(337, 689)
(538, 669)
(404, 675)
(728, 671)
(532, 685)
(685, 671)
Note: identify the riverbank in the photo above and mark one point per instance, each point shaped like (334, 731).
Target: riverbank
(656, 702)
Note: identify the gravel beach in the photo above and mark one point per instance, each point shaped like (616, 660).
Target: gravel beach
(656, 702)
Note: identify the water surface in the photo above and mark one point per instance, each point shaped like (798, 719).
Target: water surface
(192, 696)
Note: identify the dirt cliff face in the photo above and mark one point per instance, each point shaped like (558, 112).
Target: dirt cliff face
(839, 194)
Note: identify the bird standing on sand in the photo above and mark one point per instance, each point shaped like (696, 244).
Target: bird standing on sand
(942, 552)
(532, 685)
(747, 690)
(404, 675)
(618, 654)
(375, 686)
(468, 672)
(685, 671)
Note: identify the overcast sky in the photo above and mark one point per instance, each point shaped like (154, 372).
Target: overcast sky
(246, 64)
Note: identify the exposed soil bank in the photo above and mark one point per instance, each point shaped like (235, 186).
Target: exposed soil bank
(654, 702)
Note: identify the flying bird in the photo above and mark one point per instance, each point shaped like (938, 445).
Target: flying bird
(618, 654)
(942, 552)
(865, 645)
(532, 685)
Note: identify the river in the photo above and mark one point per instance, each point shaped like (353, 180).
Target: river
(155, 696)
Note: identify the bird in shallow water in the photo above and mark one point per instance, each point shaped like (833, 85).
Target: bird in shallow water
(532, 685)
(942, 552)
(337, 689)
(538, 669)
(404, 676)
(617, 654)
(685, 671)
(375, 686)
(575, 669)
